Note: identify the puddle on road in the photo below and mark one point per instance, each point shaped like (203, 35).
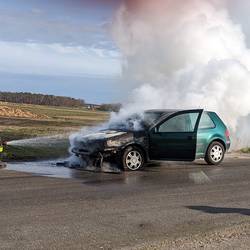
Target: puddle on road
(51, 169)
(169, 173)
(43, 169)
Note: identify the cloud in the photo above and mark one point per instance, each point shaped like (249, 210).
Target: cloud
(58, 60)
(48, 26)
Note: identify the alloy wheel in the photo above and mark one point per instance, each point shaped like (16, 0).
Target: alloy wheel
(134, 160)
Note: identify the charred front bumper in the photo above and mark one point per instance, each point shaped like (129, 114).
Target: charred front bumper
(97, 157)
(89, 153)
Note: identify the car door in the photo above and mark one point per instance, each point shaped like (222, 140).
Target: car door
(175, 138)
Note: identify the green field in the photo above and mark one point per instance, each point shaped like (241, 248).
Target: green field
(52, 121)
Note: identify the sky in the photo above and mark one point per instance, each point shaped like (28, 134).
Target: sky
(59, 47)
(64, 47)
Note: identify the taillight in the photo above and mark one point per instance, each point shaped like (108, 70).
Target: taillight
(227, 134)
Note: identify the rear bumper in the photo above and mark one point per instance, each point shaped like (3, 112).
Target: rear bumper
(228, 145)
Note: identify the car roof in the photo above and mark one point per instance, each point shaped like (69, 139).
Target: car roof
(167, 112)
(163, 111)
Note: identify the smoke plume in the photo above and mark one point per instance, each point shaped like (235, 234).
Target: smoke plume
(184, 54)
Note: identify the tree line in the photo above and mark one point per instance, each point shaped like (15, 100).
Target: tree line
(40, 99)
(115, 107)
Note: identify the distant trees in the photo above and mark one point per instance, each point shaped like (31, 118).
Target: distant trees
(110, 107)
(51, 100)
(40, 99)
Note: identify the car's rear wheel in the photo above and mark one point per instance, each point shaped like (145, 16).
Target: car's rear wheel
(215, 153)
(133, 159)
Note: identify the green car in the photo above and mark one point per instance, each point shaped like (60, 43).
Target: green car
(163, 135)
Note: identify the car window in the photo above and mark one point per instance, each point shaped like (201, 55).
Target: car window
(206, 121)
(180, 123)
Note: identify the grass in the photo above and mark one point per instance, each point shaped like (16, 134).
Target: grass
(245, 150)
(57, 121)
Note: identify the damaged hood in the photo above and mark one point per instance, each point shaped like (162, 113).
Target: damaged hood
(104, 135)
(98, 138)
(97, 142)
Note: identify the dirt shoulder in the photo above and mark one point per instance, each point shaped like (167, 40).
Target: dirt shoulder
(6, 111)
(234, 237)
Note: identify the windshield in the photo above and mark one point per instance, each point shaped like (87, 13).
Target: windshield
(150, 118)
(137, 122)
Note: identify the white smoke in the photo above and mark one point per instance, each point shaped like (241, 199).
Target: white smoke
(184, 54)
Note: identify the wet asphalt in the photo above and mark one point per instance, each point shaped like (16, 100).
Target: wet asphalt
(47, 207)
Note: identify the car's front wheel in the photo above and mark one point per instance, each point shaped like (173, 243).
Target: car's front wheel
(215, 153)
(133, 158)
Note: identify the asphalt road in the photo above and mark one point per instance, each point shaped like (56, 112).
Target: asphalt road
(84, 210)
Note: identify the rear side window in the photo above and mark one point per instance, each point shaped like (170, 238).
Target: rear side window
(180, 123)
(206, 122)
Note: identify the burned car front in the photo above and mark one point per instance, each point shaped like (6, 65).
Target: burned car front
(109, 144)
(96, 147)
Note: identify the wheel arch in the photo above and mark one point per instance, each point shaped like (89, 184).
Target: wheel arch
(220, 140)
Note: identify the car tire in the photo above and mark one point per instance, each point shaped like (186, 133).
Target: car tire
(215, 153)
(133, 158)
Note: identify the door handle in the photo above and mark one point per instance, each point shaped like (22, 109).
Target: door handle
(190, 137)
